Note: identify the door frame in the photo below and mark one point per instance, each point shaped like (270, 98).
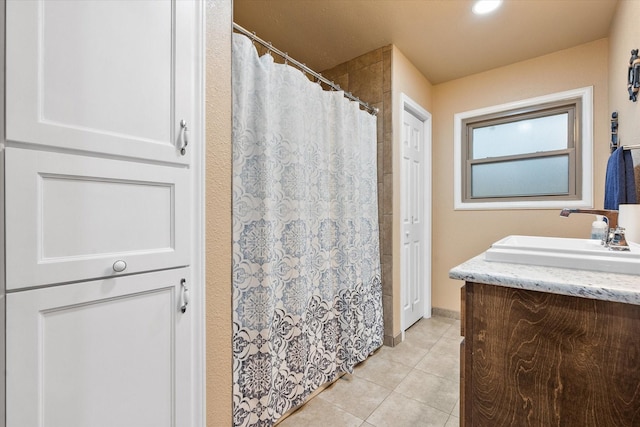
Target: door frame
(198, 236)
(408, 105)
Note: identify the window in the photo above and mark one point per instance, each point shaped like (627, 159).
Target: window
(529, 154)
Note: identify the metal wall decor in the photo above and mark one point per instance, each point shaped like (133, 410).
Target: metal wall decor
(633, 75)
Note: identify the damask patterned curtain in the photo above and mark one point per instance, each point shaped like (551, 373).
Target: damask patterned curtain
(307, 297)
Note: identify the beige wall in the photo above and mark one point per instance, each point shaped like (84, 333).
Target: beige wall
(218, 213)
(460, 235)
(624, 36)
(405, 79)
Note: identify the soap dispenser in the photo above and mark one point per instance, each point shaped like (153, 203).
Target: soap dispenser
(599, 228)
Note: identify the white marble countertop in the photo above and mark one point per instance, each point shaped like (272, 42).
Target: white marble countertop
(581, 283)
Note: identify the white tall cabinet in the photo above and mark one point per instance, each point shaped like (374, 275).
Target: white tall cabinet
(102, 189)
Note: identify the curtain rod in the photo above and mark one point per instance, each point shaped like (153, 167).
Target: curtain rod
(304, 68)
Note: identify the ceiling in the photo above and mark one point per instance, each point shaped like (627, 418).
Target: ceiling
(442, 38)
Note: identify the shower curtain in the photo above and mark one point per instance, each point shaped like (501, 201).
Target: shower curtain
(307, 296)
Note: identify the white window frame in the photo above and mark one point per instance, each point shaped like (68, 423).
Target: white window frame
(586, 120)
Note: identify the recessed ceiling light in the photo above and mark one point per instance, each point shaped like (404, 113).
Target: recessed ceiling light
(482, 7)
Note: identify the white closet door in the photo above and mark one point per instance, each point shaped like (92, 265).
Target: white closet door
(103, 76)
(413, 193)
(113, 352)
(71, 218)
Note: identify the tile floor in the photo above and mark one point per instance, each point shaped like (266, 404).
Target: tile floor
(413, 384)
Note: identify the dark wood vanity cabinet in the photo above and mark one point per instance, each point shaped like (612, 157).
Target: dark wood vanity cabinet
(532, 358)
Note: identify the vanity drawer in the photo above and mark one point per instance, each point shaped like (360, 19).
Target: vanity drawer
(72, 218)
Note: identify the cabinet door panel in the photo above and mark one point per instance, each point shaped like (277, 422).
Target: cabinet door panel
(123, 86)
(71, 217)
(113, 352)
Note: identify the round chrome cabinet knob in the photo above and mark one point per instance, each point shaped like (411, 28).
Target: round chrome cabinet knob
(119, 266)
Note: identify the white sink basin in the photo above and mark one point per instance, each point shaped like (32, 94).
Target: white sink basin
(582, 254)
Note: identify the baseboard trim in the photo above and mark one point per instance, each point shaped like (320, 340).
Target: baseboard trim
(443, 312)
(390, 341)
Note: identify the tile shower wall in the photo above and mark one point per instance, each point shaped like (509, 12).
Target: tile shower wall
(369, 78)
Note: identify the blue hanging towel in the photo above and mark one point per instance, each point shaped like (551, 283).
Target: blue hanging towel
(620, 184)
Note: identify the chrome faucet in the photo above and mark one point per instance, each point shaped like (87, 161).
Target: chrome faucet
(614, 238)
(611, 215)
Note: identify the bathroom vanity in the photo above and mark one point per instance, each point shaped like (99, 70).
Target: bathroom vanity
(548, 346)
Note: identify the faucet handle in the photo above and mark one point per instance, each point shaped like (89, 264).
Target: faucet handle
(616, 240)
